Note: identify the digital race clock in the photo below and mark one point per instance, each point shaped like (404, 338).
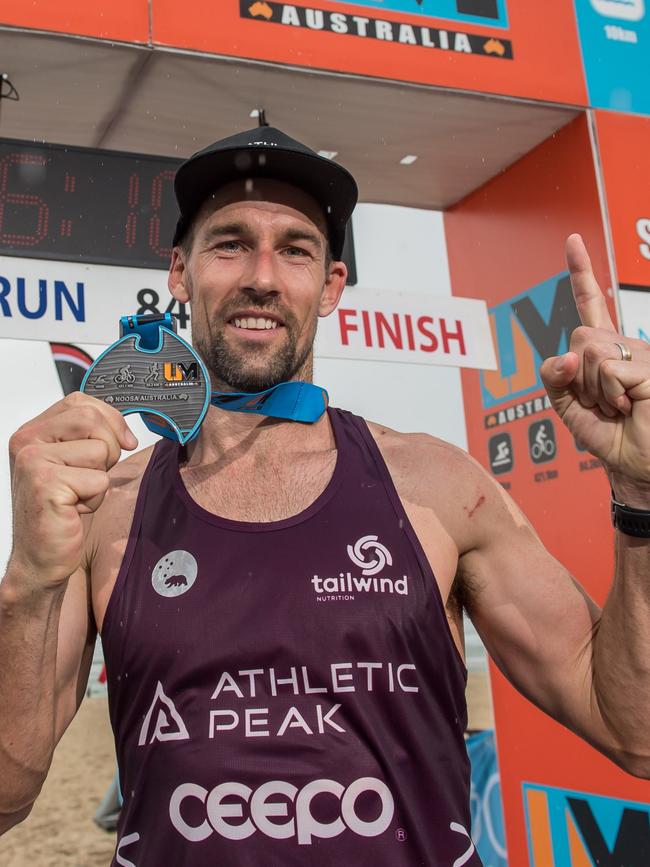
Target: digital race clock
(85, 205)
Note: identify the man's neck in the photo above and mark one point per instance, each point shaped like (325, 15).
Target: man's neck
(232, 435)
(226, 434)
(235, 434)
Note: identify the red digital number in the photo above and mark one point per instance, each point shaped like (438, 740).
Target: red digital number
(157, 187)
(26, 200)
(132, 217)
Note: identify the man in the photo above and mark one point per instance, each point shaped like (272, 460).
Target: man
(278, 602)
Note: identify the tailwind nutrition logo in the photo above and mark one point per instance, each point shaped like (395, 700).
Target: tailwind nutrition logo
(367, 543)
(371, 556)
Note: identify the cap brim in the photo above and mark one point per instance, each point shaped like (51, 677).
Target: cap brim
(332, 186)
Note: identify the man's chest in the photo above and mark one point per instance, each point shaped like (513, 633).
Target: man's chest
(261, 491)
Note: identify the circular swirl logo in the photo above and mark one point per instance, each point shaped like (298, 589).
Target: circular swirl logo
(370, 555)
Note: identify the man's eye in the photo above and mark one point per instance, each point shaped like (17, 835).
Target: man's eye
(297, 251)
(229, 246)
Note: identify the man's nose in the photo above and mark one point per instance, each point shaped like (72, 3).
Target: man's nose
(260, 275)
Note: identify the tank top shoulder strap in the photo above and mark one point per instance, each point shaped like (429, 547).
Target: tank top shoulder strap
(355, 428)
(351, 428)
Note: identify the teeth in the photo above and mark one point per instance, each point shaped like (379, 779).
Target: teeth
(259, 324)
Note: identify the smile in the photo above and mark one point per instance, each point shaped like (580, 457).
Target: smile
(256, 324)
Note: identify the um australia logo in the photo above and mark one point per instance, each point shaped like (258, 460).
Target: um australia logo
(371, 556)
(526, 329)
(578, 829)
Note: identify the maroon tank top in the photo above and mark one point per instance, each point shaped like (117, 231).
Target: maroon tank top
(285, 693)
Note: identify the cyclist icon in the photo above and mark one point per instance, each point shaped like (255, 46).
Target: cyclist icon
(541, 441)
(543, 444)
(124, 375)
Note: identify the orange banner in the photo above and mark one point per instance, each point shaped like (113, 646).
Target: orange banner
(509, 47)
(122, 20)
(624, 145)
(506, 244)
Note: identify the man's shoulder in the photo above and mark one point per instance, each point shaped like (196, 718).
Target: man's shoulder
(418, 452)
(432, 474)
(124, 484)
(112, 519)
(130, 470)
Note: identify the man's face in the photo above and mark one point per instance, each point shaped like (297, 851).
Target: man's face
(257, 279)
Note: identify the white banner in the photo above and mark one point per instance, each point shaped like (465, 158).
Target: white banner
(635, 312)
(71, 302)
(416, 328)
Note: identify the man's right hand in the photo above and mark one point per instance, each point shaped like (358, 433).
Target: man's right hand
(59, 468)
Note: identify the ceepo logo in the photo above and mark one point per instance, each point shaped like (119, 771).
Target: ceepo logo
(262, 805)
(625, 10)
(381, 556)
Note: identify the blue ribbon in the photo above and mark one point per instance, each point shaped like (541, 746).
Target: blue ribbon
(294, 401)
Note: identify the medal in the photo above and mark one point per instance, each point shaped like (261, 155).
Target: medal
(152, 371)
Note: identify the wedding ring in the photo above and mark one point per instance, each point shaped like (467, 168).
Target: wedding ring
(626, 355)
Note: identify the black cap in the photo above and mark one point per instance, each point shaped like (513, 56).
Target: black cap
(267, 152)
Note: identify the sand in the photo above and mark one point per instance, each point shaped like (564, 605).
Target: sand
(480, 714)
(60, 831)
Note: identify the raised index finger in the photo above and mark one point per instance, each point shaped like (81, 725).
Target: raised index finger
(590, 301)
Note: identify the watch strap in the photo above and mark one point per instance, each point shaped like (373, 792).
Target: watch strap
(632, 522)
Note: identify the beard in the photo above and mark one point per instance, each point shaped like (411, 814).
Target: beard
(258, 367)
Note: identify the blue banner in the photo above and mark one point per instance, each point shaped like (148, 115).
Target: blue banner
(490, 12)
(584, 829)
(528, 328)
(615, 41)
(488, 831)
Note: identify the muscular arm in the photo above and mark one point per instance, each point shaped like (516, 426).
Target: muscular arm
(589, 670)
(59, 469)
(46, 647)
(622, 654)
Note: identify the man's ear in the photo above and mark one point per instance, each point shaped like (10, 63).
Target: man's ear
(177, 277)
(333, 289)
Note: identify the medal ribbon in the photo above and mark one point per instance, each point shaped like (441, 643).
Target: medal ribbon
(294, 401)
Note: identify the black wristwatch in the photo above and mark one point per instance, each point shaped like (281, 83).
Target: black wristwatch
(632, 522)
